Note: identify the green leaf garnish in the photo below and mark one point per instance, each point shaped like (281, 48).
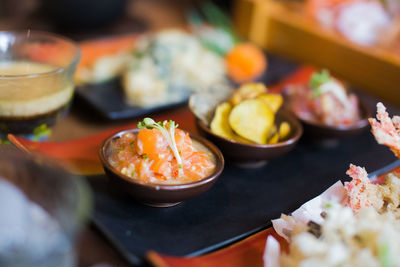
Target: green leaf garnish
(210, 14)
(384, 256)
(318, 79)
(169, 135)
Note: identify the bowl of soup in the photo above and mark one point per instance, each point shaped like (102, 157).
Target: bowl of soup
(36, 82)
(153, 169)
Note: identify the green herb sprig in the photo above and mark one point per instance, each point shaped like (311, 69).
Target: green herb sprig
(169, 135)
(318, 79)
(210, 14)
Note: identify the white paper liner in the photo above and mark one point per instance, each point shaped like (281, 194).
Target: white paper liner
(309, 211)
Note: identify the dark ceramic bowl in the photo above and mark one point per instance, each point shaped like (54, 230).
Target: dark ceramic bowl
(318, 132)
(159, 195)
(254, 155)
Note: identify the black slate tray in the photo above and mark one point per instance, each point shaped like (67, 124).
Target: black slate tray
(242, 201)
(107, 98)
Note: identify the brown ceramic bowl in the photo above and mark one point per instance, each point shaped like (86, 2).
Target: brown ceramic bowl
(315, 131)
(254, 155)
(159, 195)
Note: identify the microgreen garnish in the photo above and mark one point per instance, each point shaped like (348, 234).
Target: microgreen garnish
(169, 135)
(145, 156)
(385, 255)
(318, 79)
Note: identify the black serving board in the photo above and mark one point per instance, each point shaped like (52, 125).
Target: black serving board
(107, 98)
(242, 201)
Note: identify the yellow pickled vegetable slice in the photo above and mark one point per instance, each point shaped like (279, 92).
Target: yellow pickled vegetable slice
(272, 131)
(284, 130)
(220, 124)
(274, 139)
(273, 101)
(248, 91)
(252, 119)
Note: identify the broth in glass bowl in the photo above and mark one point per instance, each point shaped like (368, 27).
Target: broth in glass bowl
(36, 82)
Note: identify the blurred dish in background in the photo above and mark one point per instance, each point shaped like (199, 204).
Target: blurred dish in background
(244, 61)
(165, 67)
(169, 65)
(104, 59)
(323, 100)
(364, 22)
(326, 108)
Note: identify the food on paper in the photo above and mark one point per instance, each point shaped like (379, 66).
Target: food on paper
(352, 225)
(249, 116)
(346, 239)
(162, 154)
(355, 224)
(386, 130)
(167, 66)
(324, 100)
(362, 230)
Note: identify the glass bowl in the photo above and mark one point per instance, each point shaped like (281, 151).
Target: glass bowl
(42, 210)
(36, 82)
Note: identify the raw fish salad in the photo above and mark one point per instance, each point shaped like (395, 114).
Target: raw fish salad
(161, 153)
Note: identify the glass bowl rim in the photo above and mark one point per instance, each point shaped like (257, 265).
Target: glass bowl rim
(48, 35)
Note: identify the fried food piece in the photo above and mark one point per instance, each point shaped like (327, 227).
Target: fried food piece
(273, 101)
(284, 130)
(386, 130)
(248, 91)
(252, 119)
(220, 125)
